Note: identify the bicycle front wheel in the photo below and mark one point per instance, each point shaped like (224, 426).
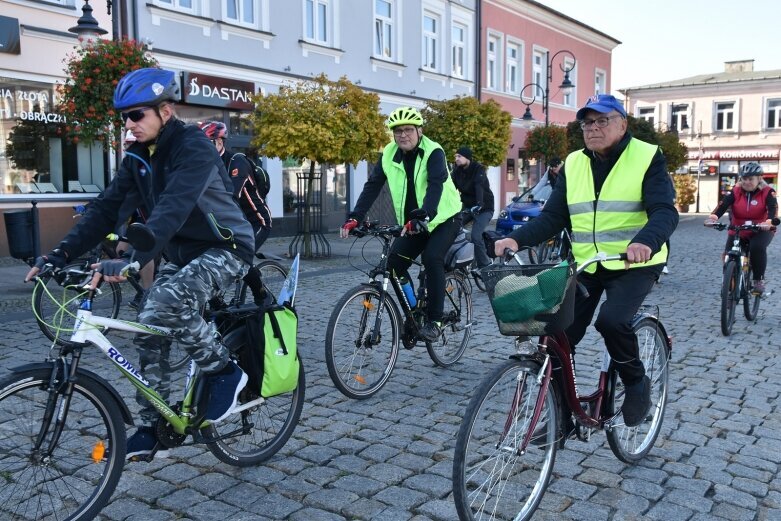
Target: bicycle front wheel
(256, 434)
(729, 296)
(55, 305)
(631, 444)
(492, 477)
(456, 323)
(362, 342)
(751, 300)
(73, 480)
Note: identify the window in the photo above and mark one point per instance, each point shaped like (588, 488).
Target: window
(600, 82)
(539, 59)
(774, 113)
(514, 68)
(570, 98)
(680, 119)
(181, 5)
(725, 116)
(430, 41)
(492, 63)
(317, 14)
(647, 113)
(458, 47)
(384, 40)
(243, 12)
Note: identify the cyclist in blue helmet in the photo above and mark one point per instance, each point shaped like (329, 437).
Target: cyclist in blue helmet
(175, 176)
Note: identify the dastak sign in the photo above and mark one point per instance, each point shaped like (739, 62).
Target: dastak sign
(202, 89)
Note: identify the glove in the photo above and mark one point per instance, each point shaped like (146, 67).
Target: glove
(116, 267)
(418, 221)
(56, 258)
(349, 224)
(476, 209)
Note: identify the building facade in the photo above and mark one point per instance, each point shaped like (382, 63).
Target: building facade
(523, 44)
(725, 119)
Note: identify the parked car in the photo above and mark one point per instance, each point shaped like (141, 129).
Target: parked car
(524, 207)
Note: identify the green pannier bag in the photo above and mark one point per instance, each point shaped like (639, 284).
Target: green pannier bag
(270, 359)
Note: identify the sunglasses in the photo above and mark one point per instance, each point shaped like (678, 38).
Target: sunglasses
(134, 115)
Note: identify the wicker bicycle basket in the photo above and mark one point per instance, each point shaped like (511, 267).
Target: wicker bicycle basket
(531, 300)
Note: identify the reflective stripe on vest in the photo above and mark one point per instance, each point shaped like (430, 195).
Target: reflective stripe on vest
(609, 223)
(449, 203)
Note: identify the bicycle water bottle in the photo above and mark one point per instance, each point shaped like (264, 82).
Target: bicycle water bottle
(409, 291)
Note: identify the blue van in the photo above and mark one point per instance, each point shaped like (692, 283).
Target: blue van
(524, 207)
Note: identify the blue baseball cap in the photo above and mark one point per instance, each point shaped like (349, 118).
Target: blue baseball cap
(602, 103)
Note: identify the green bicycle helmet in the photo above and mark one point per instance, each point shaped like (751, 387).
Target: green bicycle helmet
(404, 116)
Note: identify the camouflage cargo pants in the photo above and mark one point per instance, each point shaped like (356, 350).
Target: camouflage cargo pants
(174, 301)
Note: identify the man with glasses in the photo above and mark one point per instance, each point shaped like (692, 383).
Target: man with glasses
(615, 196)
(424, 198)
(174, 174)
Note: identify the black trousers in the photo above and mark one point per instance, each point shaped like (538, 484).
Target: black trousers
(433, 246)
(626, 290)
(757, 248)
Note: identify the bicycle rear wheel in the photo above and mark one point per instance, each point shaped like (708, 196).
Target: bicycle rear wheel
(456, 323)
(56, 301)
(751, 300)
(492, 477)
(77, 479)
(272, 275)
(268, 425)
(362, 342)
(631, 444)
(729, 296)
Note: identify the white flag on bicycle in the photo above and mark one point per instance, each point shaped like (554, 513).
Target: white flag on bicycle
(288, 291)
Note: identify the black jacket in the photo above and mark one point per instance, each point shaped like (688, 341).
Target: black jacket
(185, 192)
(658, 200)
(473, 184)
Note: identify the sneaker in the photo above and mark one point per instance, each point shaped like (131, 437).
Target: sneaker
(430, 331)
(224, 388)
(142, 443)
(758, 287)
(136, 302)
(637, 402)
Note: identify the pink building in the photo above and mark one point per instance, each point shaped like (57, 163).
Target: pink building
(519, 39)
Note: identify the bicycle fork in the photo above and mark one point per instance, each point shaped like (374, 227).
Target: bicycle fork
(53, 422)
(543, 378)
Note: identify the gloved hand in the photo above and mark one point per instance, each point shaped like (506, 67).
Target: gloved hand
(476, 209)
(114, 267)
(56, 258)
(348, 225)
(418, 221)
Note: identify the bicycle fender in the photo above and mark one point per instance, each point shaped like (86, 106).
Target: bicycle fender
(126, 416)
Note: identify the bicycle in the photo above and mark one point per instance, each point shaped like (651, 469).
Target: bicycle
(522, 411)
(470, 271)
(272, 274)
(736, 278)
(555, 249)
(62, 438)
(366, 326)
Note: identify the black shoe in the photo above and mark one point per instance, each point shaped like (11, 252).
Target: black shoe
(142, 443)
(430, 332)
(637, 402)
(224, 388)
(137, 301)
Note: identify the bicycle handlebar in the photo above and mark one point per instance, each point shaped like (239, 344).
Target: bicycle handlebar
(716, 225)
(377, 230)
(599, 257)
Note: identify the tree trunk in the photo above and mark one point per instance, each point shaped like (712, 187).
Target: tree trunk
(307, 211)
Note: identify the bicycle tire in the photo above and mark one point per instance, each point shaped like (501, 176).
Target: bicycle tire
(751, 300)
(631, 444)
(478, 280)
(55, 321)
(729, 288)
(357, 368)
(272, 275)
(273, 421)
(488, 462)
(71, 483)
(456, 322)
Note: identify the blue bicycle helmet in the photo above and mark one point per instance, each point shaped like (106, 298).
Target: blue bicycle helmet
(146, 88)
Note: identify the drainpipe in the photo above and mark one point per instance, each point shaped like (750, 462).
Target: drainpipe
(479, 47)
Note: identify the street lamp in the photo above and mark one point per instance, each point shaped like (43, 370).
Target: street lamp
(566, 87)
(87, 28)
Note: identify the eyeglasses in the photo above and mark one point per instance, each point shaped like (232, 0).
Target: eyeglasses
(398, 132)
(599, 122)
(134, 115)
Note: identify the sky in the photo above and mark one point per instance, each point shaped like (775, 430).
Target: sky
(671, 39)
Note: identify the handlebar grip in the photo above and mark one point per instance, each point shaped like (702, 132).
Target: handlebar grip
(582, 290)
(623, 258)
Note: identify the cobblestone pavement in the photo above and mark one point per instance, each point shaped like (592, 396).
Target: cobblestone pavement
(390, 457)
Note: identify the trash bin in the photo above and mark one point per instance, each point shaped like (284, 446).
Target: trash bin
(19, 230)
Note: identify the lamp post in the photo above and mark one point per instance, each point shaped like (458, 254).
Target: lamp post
(566, 87)
(87, 28)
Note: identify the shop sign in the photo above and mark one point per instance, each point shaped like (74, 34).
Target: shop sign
(28, 104)
(745, 154)
(202, 89)
(9, 35)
